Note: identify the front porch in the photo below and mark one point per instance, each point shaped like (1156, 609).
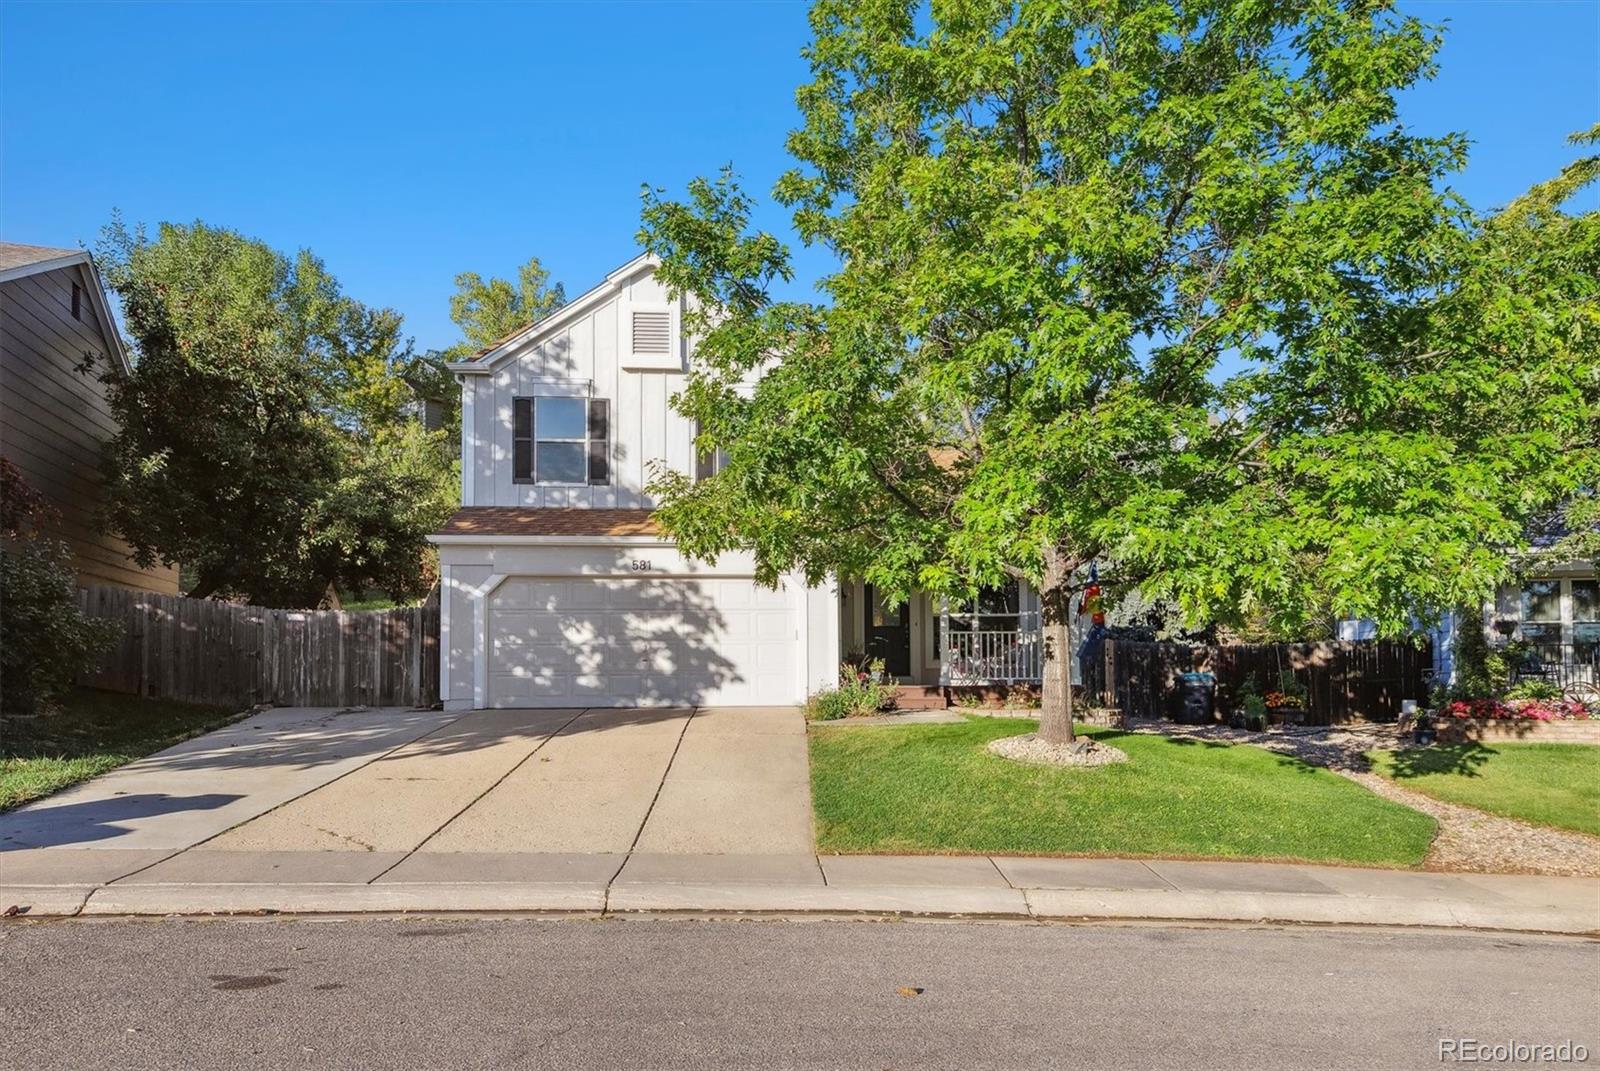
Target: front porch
(928, 643)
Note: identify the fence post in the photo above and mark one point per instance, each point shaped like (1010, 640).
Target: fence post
(1108, 686)
(144, 646)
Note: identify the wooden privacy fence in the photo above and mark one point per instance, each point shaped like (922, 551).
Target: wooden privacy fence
(1342, 679)
(203, 651)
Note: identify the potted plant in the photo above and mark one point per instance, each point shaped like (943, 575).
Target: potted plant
(1423, 731)
(1255, 712)
(1287, 703)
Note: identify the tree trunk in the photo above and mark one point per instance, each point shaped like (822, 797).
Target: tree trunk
(205, 585)
(1055, 621)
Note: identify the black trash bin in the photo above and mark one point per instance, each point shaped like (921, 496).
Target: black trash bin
(1199, 693)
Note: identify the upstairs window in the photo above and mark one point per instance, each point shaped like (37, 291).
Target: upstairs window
(77, 302)
(561, 440)
(708, 463)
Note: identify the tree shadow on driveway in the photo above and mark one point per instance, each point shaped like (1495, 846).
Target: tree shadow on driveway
(44, 826)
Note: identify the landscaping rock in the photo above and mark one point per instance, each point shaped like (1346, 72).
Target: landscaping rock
(1082, 753)
(1468, 839)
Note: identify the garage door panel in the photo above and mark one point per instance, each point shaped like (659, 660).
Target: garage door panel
(622, 642)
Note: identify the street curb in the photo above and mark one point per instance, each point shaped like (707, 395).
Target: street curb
(594, 900)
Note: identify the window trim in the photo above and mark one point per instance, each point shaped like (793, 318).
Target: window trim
(707, 463)
(1566, 621)
(593, 408)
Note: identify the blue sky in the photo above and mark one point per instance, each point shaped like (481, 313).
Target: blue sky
(407, 143)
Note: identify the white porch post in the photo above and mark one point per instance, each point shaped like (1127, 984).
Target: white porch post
(945, 646)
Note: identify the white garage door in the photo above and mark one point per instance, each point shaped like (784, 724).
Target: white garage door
(648, 642)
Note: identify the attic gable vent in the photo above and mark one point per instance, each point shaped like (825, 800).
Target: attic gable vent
(652, 332)
(651, 336)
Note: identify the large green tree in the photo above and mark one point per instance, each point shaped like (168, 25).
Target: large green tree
(1156, 284)
(265, 441)
(489, 310)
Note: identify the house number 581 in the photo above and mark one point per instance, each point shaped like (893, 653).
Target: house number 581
(640, 565)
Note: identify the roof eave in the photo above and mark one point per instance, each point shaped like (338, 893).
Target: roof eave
(460, 539)
(484, 362)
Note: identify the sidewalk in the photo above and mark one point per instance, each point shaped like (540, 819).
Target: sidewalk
(55, 881)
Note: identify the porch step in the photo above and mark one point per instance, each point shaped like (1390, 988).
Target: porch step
(920, 697)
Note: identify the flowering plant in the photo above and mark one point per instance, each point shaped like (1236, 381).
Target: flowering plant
(1530, 709)
(1280, 700)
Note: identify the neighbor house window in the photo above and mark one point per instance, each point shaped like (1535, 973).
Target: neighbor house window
(1586, 619)
(1541, 611)
(77, 302)
(561, 440)
(1556, 612)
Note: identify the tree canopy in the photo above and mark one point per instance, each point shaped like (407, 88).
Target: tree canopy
(1162, 285)
(266, 440)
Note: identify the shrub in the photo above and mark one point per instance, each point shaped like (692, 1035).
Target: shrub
(1534, 689)
(862, 691)
(45, 643)
(830, 705)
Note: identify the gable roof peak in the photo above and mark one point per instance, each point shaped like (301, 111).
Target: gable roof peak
(483, 361)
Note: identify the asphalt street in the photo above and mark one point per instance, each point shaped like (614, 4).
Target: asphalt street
(684, 993)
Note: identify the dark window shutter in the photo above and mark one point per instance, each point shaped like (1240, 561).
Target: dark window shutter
(599, 440)
(704, 460)
(77, 301)
(522, 439)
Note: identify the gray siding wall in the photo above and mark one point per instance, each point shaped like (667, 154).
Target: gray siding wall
(579, 358)
(53, 418)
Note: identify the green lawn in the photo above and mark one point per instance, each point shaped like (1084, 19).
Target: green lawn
(933, 788)
(1547, 784)
(92, 733)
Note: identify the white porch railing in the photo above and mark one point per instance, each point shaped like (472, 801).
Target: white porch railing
(991, 656)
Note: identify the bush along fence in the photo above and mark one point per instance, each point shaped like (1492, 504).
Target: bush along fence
(204, 651)
(1341, 679)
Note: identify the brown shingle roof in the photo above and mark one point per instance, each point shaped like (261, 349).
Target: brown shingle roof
(17, 255)
(531, 521)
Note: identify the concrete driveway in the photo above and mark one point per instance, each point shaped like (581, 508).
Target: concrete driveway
(422, 796)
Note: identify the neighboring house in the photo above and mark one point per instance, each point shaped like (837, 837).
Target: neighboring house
(561, 591)
(56, 338)
(1553, 607)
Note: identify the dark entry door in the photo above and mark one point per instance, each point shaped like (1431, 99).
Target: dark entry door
(889, 634)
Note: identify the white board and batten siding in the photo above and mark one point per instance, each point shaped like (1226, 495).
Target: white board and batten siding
(578, 621)
(600, 352)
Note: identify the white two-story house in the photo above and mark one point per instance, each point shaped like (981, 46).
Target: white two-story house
(559, 589)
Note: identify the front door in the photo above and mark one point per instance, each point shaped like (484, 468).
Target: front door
(889, 634)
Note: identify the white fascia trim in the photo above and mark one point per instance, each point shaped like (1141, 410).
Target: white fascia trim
(469, 447)
(102, 309)
(39, 267)
(551, 541)
(483, 365)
